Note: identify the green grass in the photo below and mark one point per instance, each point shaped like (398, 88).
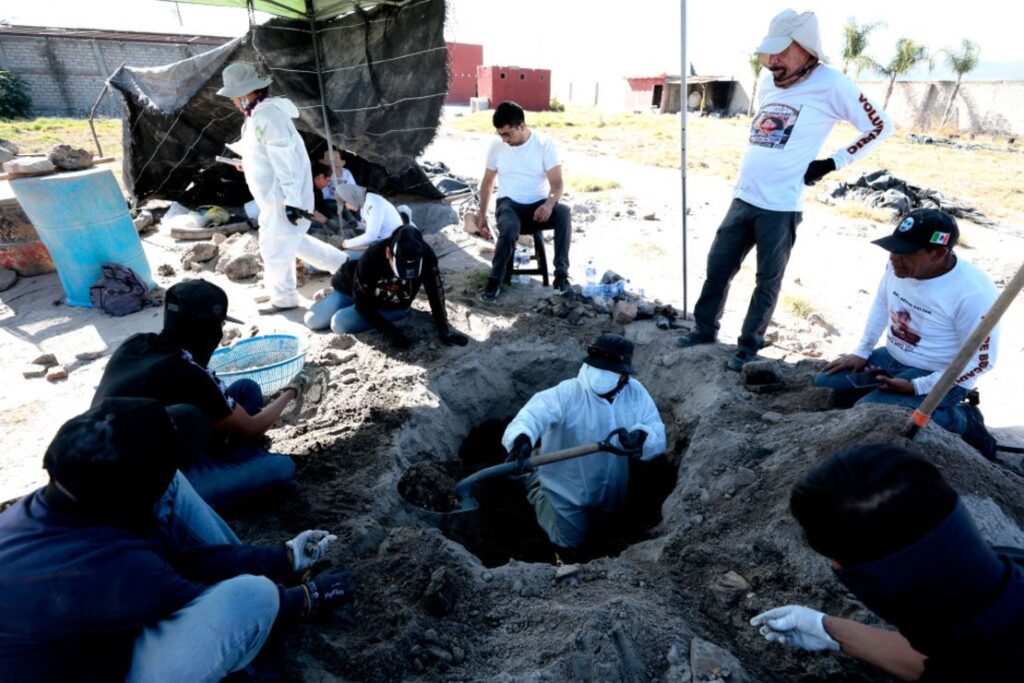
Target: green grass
(588, 183)
(799, 306)
(37, 136)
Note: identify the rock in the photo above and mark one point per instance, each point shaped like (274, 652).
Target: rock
(644, 310)
(650, 217)
(662, 322)
(761, 372)
(143, 221)
(8, 278)
(602, 304)
(70, 158)
(201, 252)
(90, 355)
(261, 299)
(624, 312)
(34, 371)
(819, 319)
(729, 588)
(11, 147)
(564, 571)
(744, 477)
(772, 417)
(442, 593)
(332, 358)
(342, 342)
(487, 577)
(242, 267)
(47, 360)
(349, 379)
(5, 155)
(458, 655)
(165, 270)
(29, 166)
(57, 374)
(230, 334)
(218, 237)
(709, 662)
(610, 277)
(576, 315)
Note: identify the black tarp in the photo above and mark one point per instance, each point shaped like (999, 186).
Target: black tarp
(385, 74)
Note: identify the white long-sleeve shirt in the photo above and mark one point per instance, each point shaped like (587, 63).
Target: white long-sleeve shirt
(790, 128)
(381, 219)
(927, 321)
(572, 414)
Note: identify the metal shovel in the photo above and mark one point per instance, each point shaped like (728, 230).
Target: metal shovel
(465, 487)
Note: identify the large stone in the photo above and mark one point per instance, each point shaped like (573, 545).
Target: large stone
(201, 252)
(11, 147)
(761, 372)
(709, 662)
(242, 267)
(729, 588)
(143, 221)
(602, 304)
(70, 158)
(29, 166)
(47, 360)
(8, 278)
(5, 155)
(624, 312)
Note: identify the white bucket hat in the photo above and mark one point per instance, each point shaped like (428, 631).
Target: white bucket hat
(788, 26)
(241, 79)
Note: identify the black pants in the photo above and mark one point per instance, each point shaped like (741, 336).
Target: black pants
(746, 226)
(513, 217)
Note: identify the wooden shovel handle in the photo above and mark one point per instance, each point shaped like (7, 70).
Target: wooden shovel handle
(567, 454)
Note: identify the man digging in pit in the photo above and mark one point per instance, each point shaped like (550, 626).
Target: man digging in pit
(575, 499)
(901, 541)
(928, 303)
(529, 173)
(798, 106)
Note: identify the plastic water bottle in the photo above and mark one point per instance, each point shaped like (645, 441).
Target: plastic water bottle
(522, 259)
(591, 275)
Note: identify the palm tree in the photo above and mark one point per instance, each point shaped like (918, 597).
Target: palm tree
(855, 41)
(908, 55)
(961, 62)
(755, 66)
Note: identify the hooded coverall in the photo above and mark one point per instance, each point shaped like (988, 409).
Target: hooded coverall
(278, 174)
(574, 492)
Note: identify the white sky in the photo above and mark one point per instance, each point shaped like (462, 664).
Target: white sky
(586, 39)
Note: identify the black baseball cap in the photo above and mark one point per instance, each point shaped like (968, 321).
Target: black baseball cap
(198, 299)
(611, 352)
(921, 228)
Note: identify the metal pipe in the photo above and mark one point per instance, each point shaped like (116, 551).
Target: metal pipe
(92, 114)
(311, 13)
(683, 71)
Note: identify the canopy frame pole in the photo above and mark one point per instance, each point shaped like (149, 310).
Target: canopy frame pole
(311, 14)
(682, 141)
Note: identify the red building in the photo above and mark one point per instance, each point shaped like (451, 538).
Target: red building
(529, 88)
(463, 61)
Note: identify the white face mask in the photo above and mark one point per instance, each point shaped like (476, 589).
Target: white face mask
(601, 381)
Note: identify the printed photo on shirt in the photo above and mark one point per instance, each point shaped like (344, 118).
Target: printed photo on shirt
(900, 327)
(773, 125)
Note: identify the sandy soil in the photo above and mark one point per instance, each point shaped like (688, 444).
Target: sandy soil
(661, 608)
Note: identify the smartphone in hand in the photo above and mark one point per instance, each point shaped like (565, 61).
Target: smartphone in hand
(867, 380)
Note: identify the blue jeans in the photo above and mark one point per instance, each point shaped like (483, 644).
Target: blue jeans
(338, 311)
(187, 521)
(948, 414)
(219, 632)
(241, 468)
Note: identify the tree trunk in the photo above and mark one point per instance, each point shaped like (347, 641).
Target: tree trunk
(888, 93)
(949, 105)
(753, 97)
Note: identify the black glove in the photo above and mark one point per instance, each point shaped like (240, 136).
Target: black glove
(452, 337)
(293, 215)
(399, 340)
(633, 440)
(520, 452)
(818, 169)
(329, 589)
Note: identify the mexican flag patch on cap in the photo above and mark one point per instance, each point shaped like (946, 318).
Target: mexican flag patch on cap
(939, 238)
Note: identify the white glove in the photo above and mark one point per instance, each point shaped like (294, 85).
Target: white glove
(308, 547)
(795, 626)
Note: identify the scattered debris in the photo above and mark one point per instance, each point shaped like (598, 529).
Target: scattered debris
(58, 374)
(239, 257)
(34, 371)
(47, 360)
(68, 158)
(144, 221)
(87, 356)
(880, 189)
(201, 253)
(624, 312)
(968, 146)
(818, 318)
(166, 270)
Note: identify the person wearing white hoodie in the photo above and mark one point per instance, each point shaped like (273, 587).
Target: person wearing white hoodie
(277, 171)
(572, 498)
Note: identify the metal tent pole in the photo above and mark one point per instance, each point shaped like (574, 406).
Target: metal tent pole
(682, 138)
(311, 13)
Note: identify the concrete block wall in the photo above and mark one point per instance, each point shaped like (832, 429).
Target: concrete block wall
(67, 74)
(980, 106)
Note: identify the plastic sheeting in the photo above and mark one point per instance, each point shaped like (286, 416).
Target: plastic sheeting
(385, 74)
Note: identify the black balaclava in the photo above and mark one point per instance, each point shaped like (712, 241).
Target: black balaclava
(407, 249)
(112, 463)
(199, 335)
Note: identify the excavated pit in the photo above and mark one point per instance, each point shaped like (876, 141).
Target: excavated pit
(673, 606)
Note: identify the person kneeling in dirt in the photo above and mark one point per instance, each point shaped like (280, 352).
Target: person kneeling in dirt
(379, 288)
(574, 498)
(171, 367)
(378, 218)
(92, 590)
(901, 540)
(929, 302)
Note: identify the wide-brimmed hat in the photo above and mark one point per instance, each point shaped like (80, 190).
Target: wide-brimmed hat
(241, 79)
(350, 194)
(611, 352)
(787, 27)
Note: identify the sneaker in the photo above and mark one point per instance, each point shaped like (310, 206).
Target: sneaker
(492, 290)
(741, 358)
(274, 309)
(694, 338)
(561, 284)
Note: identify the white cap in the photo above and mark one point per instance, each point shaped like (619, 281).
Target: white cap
(788, 26)
(241, 79)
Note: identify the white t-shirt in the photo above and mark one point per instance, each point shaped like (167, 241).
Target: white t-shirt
(789, 129)
(381, 219)
(927, 321)
(345, 179)
(523, 170)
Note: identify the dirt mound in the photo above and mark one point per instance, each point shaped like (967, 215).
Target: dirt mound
(672, 606)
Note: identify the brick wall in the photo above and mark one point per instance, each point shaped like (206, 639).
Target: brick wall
(980, 106)
(67, 74)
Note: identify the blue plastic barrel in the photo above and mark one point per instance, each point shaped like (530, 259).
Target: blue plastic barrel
(84, 222)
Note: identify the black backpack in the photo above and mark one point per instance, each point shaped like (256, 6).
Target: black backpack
(120, 291)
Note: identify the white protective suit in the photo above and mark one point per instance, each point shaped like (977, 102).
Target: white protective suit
(572, 414)
(278, 174)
